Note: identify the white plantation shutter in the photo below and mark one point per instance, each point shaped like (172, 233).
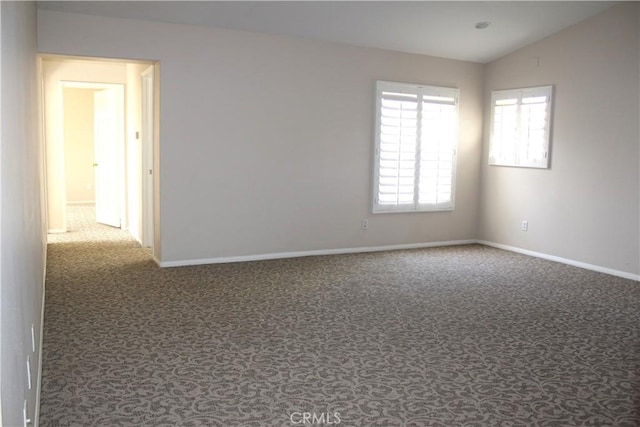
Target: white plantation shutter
(437, 153)
(504, 130)
(397, 148)
(520, 127)
(415, 147)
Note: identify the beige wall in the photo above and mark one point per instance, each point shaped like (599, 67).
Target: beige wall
(78, 145)
(586, 206)
(266, 141)
(22, 236)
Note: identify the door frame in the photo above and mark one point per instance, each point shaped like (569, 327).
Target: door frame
(120, 144)
(147, 107)
(88, 70)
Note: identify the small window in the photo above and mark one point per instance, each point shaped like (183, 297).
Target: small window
(520, 127)
(416, 138)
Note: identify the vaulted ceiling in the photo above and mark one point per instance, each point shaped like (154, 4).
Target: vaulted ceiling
(438, 28)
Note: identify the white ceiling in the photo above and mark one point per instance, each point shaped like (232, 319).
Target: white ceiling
(445, 28)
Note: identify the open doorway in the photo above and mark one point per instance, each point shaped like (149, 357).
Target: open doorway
(93, 139)
(99, 138)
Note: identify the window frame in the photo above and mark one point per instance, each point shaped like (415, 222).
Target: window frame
(516, 161)
(420, 90)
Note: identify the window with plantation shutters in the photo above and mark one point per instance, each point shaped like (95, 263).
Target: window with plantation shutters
(416, 139)
(520, 127)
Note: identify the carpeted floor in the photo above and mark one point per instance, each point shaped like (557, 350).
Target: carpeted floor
(455, 336)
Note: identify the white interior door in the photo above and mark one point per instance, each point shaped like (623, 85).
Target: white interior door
(107, 129)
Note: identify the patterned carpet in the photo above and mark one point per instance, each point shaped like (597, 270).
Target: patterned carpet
(455, 336)
(82, 227)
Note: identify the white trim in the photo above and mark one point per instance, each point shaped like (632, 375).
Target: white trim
(561, 260)
(147, 172)
(73, 84)
(56, 231)
(278, 255)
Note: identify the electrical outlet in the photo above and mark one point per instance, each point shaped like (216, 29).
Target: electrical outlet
(524, 226)
(365, 224)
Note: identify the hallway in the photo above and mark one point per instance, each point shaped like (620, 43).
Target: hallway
(82, 227)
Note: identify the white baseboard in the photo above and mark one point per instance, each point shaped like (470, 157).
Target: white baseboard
(561, 260)
(56, 231)
(279, 255)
